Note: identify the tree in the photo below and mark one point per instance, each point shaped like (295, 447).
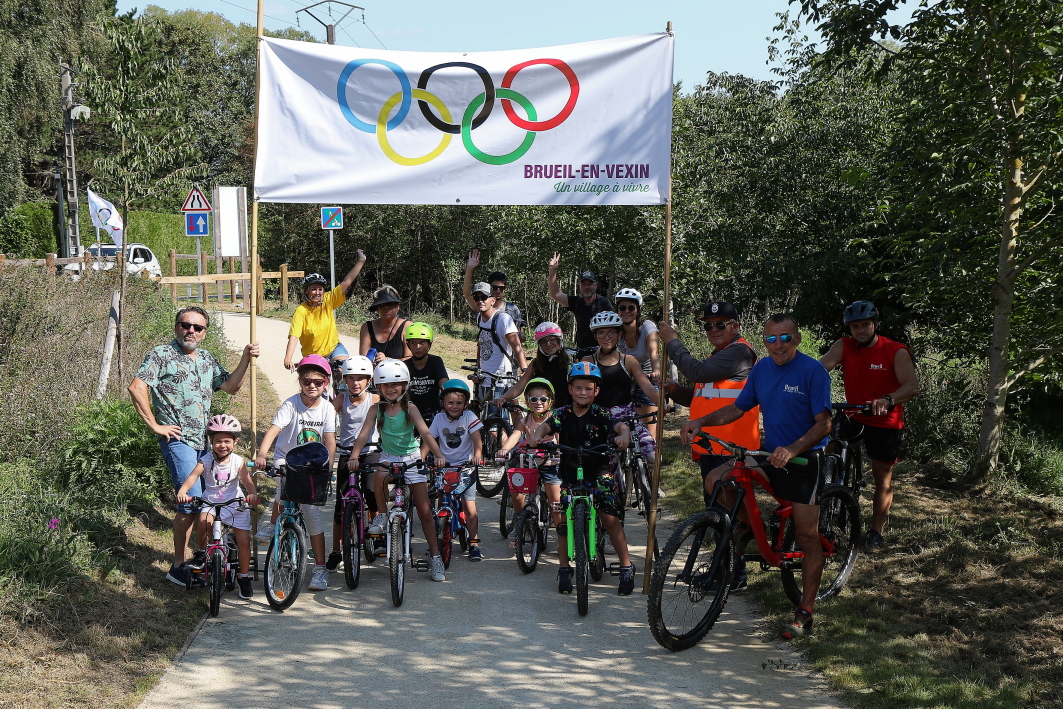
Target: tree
(977, 174)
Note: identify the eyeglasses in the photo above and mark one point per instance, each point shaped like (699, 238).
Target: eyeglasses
(626, 308)
(314, 383)
(498, 288)
(605, 332)
(538, 399)
(191, 326)
(549, 341)
(479, 298)
(709, 326)
(772, 339)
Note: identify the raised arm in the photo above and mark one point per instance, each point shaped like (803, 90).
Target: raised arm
(349, 279)
(555, 290)
(466, 285)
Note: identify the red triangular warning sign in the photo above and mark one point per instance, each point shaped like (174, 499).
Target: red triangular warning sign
(196, 201)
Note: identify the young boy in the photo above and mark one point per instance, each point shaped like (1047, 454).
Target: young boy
(222, 472)
(304, 418)
(427, 371)
(583, 423)
(457, 430)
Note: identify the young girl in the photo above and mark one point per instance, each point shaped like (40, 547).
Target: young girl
(457, 431)
(640, 339)
(539, 396)
(222, 472)
(304, 418)
(399, 423)
(550, 363)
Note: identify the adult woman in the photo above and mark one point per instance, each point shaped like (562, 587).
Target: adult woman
(386, 334)
(639, 339)
(314, 321)
(550, 363)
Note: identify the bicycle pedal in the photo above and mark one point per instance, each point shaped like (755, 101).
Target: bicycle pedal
(614, 568)
(420, 565)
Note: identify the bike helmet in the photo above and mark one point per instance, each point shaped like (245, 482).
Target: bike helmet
(420, 331)
(391, 371)
(314, 362)
(606, 319)
(549, 329)
(545, 383)
(452, 385)
(314, 279)
(585, 370)
(861, 310)
(223, 423)
(629, 294)
(357, 364)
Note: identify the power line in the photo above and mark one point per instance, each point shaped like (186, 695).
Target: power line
(371, 31)
(254, 12)
(350, 38)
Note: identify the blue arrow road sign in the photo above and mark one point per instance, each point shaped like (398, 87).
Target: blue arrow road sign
(332, 217)
(197, 224)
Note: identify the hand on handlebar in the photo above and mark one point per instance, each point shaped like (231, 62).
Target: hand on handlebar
(260, 461)
(687, 432)
(183, 497)
(622, 441)
(879, 407)
(781, 456)
(500, 402)
(251, 499)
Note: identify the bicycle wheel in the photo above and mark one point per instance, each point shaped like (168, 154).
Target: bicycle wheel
(579, 530)
(234, 560)
(528, 537)
(628, 479)
(597, 560)
(397, 560)
(690, 582)
(444, 533)
(642, 482)
(284, 570)
(463, 538)
(491, 478)
(854, 476)
(352, 526)
(217, 579)
(839, 532)
(505, 512)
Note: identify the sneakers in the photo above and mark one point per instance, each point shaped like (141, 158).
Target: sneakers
(197, 560)
(245, 586)
(740, 580)
(435, 564)
(607, 548)
(801, 627)
(872, 540)
(334, 560)
(179, 575)
(319, 581)
(265, 532)
(379, 525)
(564, 579)
(474, 553)
(627, 580)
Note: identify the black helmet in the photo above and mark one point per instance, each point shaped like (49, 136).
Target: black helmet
(314, 279)
(861, 310)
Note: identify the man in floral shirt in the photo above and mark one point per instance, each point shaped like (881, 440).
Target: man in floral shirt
(182, 379)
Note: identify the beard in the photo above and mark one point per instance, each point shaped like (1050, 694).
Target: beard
(188, 346)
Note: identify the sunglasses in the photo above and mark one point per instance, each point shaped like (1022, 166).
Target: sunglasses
(626, 308)
(538, 399)
(498, 288)
(479, 298)
(772, 339)
(191, 326)
(314, 383)
(709, 326)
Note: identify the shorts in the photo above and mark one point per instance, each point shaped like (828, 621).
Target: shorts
(882, 444)
(181, 459)
(606, 482)
(412, 476)
(232, 516)
(343, 481)
(639, 397)
(800, 484)
(549, 475)
(338, 351)
(470, 494)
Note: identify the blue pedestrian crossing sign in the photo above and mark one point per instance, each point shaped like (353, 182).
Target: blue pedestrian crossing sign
(197, 224)
(332, 217)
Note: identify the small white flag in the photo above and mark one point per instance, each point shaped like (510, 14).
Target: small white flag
(106, 217)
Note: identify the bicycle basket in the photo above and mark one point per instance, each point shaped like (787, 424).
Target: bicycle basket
(307, 478)
(523, 480)
(456, 480)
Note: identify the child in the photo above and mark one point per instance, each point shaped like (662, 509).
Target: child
(222, 472)
(399, 422)
(583, 423)
(457, 431)
(539, 396)
(304, 418)
(427, 371)
(353, 406)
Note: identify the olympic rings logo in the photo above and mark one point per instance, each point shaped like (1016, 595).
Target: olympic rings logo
(478, 110)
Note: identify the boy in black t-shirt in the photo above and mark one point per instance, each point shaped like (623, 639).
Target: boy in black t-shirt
(582, 423)
(427, 371)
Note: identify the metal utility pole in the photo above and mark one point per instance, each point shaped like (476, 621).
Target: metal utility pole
(71, 112)
(330, 29)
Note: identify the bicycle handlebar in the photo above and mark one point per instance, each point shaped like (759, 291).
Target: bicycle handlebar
(738, 451)
(864, 409)
(602, 448)
(200, 503)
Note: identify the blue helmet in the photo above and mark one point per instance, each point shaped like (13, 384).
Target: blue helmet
(585, 370)
(457, 385)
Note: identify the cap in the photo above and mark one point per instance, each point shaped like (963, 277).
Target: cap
(482, 287)
(384, 298)
(588, 276)
(720, 309)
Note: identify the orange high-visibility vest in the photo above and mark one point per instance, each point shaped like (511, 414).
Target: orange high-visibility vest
(713, 396)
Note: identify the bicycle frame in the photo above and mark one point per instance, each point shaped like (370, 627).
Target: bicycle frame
(450, 500)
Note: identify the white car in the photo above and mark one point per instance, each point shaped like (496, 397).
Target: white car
(138, 258)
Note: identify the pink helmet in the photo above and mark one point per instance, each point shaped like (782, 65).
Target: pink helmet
(315, 362)
(548, 329)
(223, 423)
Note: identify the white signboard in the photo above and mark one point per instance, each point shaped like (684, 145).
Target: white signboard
(230, 221)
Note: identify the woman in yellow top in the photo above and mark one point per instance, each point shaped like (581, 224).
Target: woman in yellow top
(314, 322)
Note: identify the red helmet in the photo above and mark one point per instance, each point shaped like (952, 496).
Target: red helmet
(223, 423)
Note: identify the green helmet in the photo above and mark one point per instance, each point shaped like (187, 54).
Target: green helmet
(420, 331)
(544, 383)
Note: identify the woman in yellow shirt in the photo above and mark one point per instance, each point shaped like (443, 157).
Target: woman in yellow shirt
(314, 322)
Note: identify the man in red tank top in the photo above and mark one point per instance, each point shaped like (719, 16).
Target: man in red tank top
(877, 371)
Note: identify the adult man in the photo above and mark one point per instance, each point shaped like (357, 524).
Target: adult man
(880, 372)
(498, 281)
(498, 347)
(182, 379)
(718, 382)
(793, 391)
(582, 308)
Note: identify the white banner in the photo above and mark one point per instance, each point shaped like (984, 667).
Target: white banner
(586, 123)
(230, 221)
(104, 216)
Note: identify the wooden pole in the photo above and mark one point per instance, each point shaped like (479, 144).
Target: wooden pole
(204, 270)
(49, 264)
(232, 283)
(284, 284)
(254, 230)
(651, 517)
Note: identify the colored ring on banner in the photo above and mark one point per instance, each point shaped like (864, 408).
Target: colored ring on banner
(573, 83)
(467, 125)
(488, 106)
(383, 125)
(406, 94)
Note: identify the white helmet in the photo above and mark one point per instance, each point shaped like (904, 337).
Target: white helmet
(358, 364)
(391, 371)
(606, 319)
(549, 329)
(629, 294)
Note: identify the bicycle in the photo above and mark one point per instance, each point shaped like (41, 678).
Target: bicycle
(490, 479)
(286, 552)
(221, 556)
(532, 523)
(844, 465)
(452, 483)
(635, 468)
(506, 510)
(353, 527)
(692, 576)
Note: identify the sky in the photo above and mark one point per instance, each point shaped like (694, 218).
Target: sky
(710, 35)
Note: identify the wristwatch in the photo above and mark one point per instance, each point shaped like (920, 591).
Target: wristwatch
(889, 399)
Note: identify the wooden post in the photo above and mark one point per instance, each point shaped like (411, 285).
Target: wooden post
(284, 284)
(173, 272)
(3, 260)
(205, 270)
(232, 283)
(49, 264)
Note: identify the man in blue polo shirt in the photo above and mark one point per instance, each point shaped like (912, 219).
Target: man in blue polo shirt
(793, 392)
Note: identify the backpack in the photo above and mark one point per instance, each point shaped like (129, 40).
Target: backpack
(504, 349)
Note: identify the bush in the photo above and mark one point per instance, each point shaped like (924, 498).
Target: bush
(28, 230)
(1033, 460)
